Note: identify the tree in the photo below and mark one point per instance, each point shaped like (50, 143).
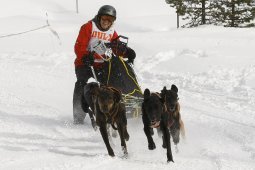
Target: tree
(230, 13)
(235, 13)
(198, 11)
(179, 6)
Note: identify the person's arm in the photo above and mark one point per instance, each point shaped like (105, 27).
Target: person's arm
(115, 35)
(82, 42)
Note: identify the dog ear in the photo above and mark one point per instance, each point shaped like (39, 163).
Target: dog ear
(162, 100)
(174, 88)
(117, 95)
(163, 92)
(146, 94)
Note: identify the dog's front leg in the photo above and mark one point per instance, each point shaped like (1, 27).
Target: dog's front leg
(175, 132)
(147, 131)
(93, 122)
(103, 132)
(166, 137)
(122, 139)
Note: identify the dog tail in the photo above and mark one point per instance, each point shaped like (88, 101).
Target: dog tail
(182, 129)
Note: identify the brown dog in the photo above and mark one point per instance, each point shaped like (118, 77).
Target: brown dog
(108, 108)
(162, 111)
(172, 105)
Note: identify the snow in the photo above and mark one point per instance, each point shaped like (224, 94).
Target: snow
(213, 67)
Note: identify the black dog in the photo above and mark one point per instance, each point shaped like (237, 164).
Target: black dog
(175, 122)
(87, 103)
(105, 102)
(154, 115)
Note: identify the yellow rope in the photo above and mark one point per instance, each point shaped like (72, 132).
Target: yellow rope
(109, 71)
(126, 95)
(121, 59)
(139, 90)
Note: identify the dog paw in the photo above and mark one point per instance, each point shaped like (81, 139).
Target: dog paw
(94, 125)
(124, 149)
(111, 153)
(169, 157)
(170, 160)
(176, 140)
(152, 146)
(95, 128)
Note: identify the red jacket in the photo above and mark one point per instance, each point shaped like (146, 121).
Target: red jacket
(82, 43)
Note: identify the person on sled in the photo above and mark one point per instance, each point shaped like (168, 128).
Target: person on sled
(99, 28)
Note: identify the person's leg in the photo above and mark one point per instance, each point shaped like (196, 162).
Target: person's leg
(79, 107)
(78, 113)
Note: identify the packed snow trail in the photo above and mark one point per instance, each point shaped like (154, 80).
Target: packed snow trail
(37, 130)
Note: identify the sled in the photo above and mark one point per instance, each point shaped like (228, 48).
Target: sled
(120, 74)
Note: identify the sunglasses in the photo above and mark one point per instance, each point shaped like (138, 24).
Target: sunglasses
(107, 18)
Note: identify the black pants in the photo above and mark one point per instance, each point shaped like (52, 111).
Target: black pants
(83, 74)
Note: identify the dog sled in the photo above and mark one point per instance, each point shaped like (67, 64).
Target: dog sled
(120, 74)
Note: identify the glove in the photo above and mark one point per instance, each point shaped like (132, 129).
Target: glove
(88, 59)
(118, 47)
(122, 47)
(130, 54)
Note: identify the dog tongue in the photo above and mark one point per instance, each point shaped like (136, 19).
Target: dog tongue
(155, 125)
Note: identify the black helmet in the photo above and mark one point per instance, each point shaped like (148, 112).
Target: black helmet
(107, 10)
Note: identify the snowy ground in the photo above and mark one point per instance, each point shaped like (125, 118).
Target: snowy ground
(214, 68)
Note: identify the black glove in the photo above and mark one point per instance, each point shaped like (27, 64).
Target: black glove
(122, 47)
(130, 53)
(88, 59)
(118, 47)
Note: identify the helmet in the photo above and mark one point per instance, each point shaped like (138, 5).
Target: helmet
(107, 10)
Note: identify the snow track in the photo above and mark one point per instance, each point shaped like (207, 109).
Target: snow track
(213, 67)
(36, 120)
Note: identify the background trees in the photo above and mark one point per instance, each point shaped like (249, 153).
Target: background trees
(230, 13)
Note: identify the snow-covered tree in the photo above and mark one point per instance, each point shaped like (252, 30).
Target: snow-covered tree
(234, 13)
(198, 12)
(231, 13)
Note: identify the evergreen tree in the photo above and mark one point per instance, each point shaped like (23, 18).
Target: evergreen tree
(231, 13)
(235, 13)
(179, 6)
(199, 12)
